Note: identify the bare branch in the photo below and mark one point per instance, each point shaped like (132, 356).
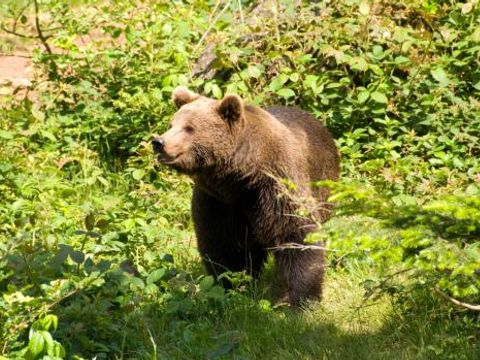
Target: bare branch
(212, 23)
(42, 37)
(17, 34)
(298, 247)
(456, 302)
(20, 14)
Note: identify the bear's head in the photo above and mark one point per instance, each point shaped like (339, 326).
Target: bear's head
(202, 133)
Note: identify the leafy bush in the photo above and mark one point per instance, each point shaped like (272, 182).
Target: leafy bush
(435, 245)
(90, 224)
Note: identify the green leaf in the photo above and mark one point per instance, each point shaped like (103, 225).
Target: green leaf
(155, 275)
(138, 174)
(363, 96)
(402, 60)
(216, 91)
(206, 283)
(77, 256)
(294, 77)
(379, 97)
(6, 135)
(216, 292)
(37, 114)
(167, 258)
(36, 343)
(441, 76)
(310, 81)
(90, 221)
(137, 282)
(254, 72)
(358, 63)
(278, 82)
(286, 93)
(48, 339)
(49, 321)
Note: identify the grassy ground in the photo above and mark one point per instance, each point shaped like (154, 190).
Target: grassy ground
(342, 326)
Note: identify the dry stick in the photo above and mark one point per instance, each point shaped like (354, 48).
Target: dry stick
(212, 23)
(16, 55)
(240, 11)
(43, 39)
(17, 34)
(20, 14)
(456, 302)
(298, 247)
(276, 9)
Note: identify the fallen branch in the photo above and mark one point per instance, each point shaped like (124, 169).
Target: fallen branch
(456, 302)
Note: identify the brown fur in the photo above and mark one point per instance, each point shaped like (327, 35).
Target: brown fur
(235, 155)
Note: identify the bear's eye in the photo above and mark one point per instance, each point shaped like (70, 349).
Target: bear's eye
(189, 129)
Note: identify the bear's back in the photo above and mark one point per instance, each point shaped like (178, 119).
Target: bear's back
(323, 157)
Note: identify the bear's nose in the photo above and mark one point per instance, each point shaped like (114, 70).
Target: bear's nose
(158, 144)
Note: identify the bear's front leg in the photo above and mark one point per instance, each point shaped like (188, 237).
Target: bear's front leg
(223, 237)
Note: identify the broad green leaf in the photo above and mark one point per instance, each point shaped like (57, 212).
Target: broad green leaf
(441, 76)
(310, 80)
(294, 77)
(254, 72)
(90, 221)
(206, 283)
(36, 343)
(155, 275)
(278, 82)
(77, 256)
(358, 63)
(7, 135)
(216, 292)
(137, 282)
(138, 174)
(286, 93)
(363, 96)
(379, 97)
(402, 60)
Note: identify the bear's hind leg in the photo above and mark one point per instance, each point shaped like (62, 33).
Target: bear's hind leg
(302, 273)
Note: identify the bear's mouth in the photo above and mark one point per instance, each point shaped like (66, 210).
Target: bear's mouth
(167, 159)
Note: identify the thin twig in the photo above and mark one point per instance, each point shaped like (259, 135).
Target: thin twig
(212, 23)
(20, 14)
(456, 302)
(16, 55)
(42, 37)
(24, 36)
(240, 11)
(298, 247)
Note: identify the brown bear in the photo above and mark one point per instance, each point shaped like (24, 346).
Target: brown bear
(236, 154)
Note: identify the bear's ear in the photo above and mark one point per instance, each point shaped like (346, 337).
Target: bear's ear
(231, 108)
(181, 96)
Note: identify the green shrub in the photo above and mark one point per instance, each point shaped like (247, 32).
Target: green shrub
(88, 222)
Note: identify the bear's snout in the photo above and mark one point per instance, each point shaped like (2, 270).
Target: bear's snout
(158, 144)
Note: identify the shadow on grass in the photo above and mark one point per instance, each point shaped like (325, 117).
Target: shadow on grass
(118, 322)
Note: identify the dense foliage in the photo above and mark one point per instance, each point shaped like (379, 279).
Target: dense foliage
(89, 224)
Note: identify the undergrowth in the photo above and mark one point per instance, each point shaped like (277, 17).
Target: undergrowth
(97, 253)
